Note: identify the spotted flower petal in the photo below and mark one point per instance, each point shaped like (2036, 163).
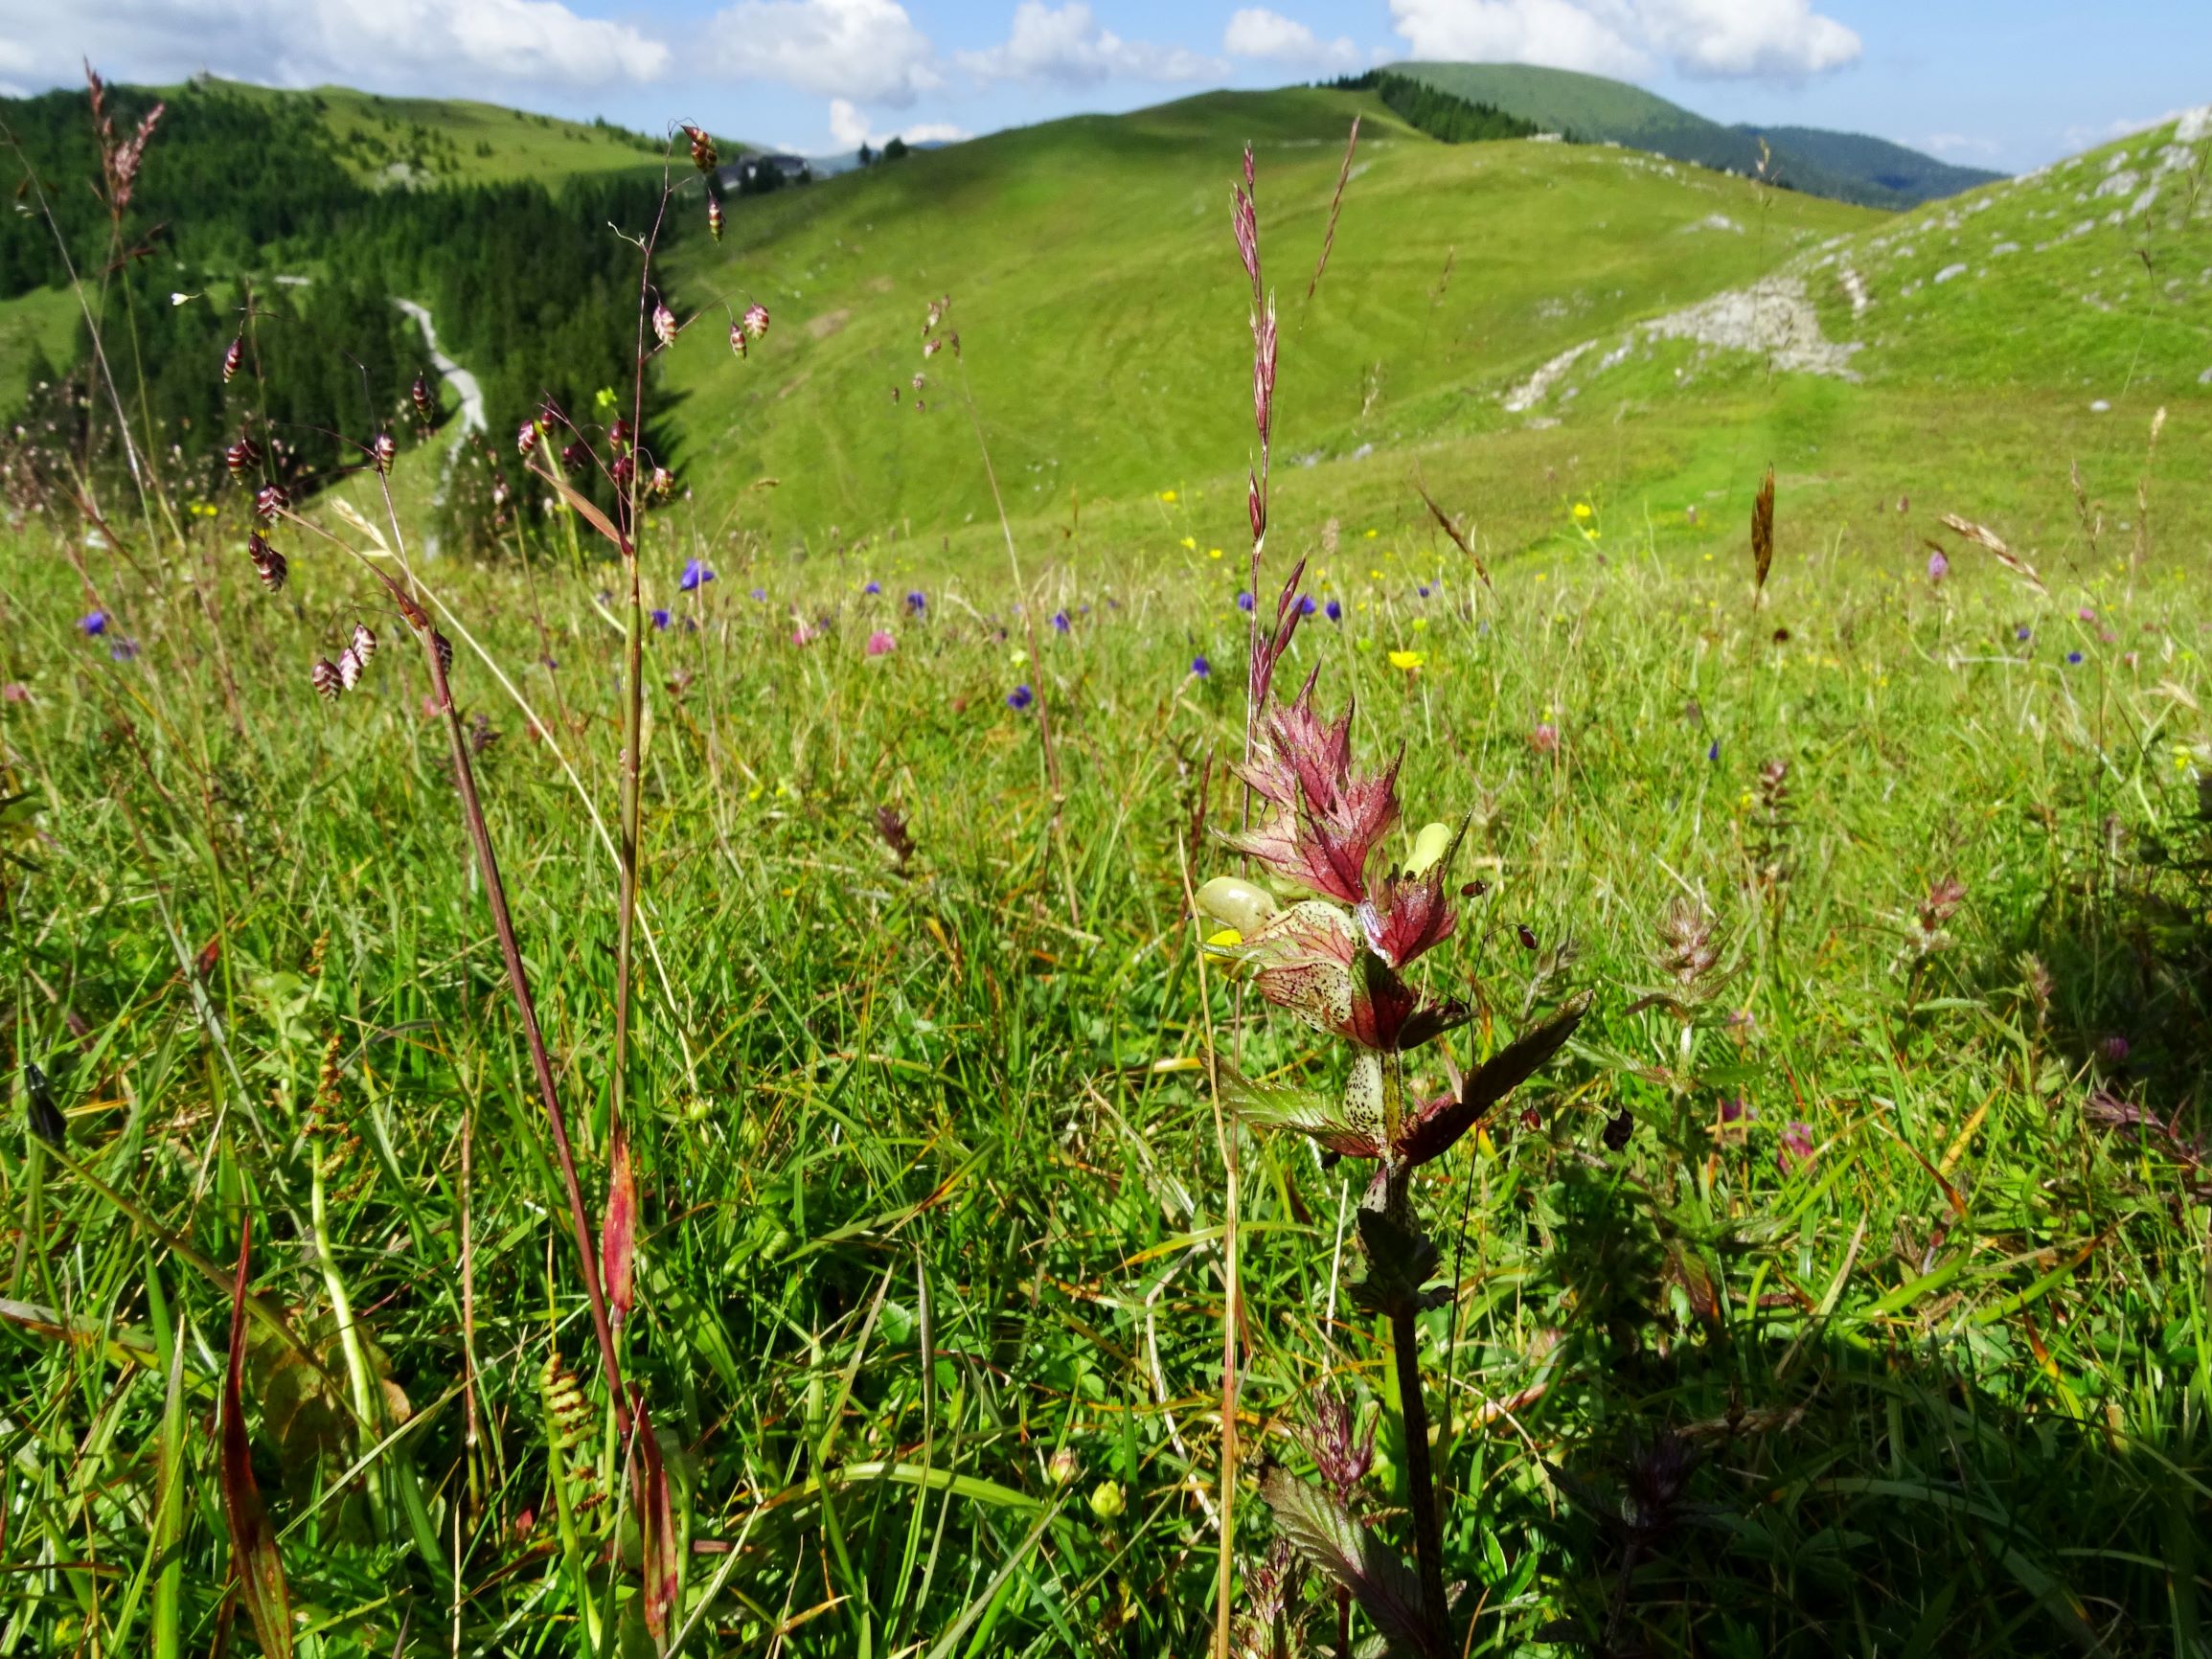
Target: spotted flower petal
(1352, 1126)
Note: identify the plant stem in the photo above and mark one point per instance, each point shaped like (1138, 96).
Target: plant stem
(518, 977)
(1420, 1485)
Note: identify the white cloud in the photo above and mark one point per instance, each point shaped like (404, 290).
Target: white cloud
(1958, 143)
(854, 48)
(1747, 37)
(1069, 45)
(850, 129)
(419, 45)
(1783, 39)
(1255, 32)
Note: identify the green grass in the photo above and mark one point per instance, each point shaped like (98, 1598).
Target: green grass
(1102, 331)
(43, 320)
(1962, 1352)
(929, 1183)
(1848, 165)
(450, 141)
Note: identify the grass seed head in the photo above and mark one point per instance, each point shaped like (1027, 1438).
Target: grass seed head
(233, 354)
(325, 677)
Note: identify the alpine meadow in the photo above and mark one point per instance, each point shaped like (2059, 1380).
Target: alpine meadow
(1363, 868)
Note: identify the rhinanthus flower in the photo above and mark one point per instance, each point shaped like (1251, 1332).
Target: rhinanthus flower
(1020, 697)
(697, 576)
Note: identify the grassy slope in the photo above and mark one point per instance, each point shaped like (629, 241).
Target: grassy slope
(46, 318)
(462, 141)
(1100, 303)
(1848, 165)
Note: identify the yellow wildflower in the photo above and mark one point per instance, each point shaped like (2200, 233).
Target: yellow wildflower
(1407, 661)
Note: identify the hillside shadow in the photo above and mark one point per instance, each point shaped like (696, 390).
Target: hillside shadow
(1742, 1495)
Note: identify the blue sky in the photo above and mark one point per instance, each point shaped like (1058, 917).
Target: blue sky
(1983, 81)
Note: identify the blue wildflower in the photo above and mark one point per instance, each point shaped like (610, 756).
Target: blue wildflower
(760, 593)
(123, 650)
(1305, 605)
(695, 576)
(1244, 601)
(1059, 620)
(1424, 590)
(2073, 656)
(1714, 753)
(916, 602)
(874, 588)
(2021, 632)
(1333, 612)
(93, 622)
(1200, 667)
(1020, 697)
(660, 620)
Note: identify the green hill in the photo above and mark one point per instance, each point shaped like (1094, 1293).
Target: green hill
(1098, 300)
(1848, 166)
(441, 141)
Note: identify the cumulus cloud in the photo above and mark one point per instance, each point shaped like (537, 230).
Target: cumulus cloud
(1784, 40)
(1255, 32)
(854, 48)
(1066, 44)
(851, 130)
(419, 45)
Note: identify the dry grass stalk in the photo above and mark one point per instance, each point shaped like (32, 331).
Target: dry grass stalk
(1336, 204)
(1763, 534)
(1982, 536)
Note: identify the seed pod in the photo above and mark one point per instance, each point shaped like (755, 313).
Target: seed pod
(382, 451)
(702, 148)
(269, 564)
(526, 438)
(624, 469)
(737, 338)
(348, 669)
(326, 679)
(619, 434)
(233, 357)
(714, 215)
(243, 457)
(756, 319)
(364, 642)
(664, 481)
(663, 325)
(420, 395)
(270, 500)
(574, 455)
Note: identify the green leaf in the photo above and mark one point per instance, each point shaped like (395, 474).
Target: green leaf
(1346, 1553)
